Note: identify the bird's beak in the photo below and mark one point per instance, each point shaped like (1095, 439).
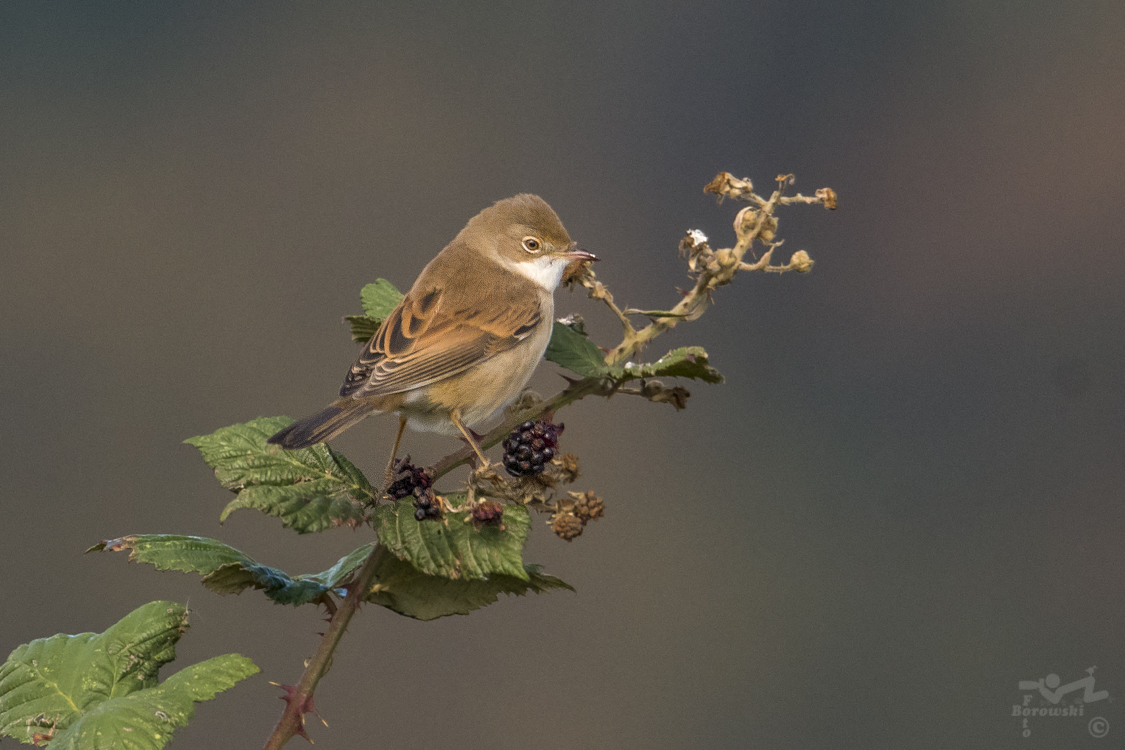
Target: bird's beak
(575, 254)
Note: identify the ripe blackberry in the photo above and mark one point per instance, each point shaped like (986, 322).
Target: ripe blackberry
(530, 447)
(424, 505)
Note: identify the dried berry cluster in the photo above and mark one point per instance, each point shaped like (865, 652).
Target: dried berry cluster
(412, 480)
(530, 447)
(571, 516)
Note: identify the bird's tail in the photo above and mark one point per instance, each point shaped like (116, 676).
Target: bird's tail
(320, 427)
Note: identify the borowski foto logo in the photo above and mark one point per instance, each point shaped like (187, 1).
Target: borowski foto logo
(1050, 703)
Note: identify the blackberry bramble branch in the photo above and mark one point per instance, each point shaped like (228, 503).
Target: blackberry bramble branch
(436, 553)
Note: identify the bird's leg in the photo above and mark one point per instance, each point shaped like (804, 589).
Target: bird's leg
(389, 475)
(470, 436)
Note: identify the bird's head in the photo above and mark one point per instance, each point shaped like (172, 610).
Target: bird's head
(529, 238)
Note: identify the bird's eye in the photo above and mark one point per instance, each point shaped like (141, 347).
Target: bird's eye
(532, 245)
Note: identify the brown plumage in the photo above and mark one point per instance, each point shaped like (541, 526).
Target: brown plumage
(466, 337)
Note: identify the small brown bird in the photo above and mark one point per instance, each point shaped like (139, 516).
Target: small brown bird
(466, 337)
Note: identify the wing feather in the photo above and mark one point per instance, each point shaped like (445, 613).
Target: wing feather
(434, 335)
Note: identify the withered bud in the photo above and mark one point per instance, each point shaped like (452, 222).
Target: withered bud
(694, 246)
(657, 392)
(801, 262)
(726, 185)
(745, 220)
(693, 239)
(546, 479)
(577, 272)
(532, 490)
(748, 218)
(827, 197)
(565, 467)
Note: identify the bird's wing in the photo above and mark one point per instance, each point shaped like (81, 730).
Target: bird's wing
(429, 337)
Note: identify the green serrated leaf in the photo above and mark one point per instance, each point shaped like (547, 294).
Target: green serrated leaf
(54, 684)
(311, 489)
(379, 299)
(403, 588)
(363, 327)
(454, 546)
(575, 352)
(226, 570)
(146, 719)
(685, 362)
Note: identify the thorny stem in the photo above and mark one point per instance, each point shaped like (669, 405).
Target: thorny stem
(598, 291)
(300, 700)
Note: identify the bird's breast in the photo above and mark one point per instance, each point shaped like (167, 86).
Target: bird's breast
(483, 389)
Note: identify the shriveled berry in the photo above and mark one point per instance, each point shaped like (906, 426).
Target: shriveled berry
(588, 506)
(431, 510)
(408, 479)
(488, 512)
(566, 526)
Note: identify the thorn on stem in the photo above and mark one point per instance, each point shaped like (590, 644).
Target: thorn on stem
(300, 705)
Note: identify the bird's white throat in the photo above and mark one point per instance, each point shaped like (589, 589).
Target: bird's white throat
(546, 271)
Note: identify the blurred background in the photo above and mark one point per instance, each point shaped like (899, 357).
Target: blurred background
(906, 498)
